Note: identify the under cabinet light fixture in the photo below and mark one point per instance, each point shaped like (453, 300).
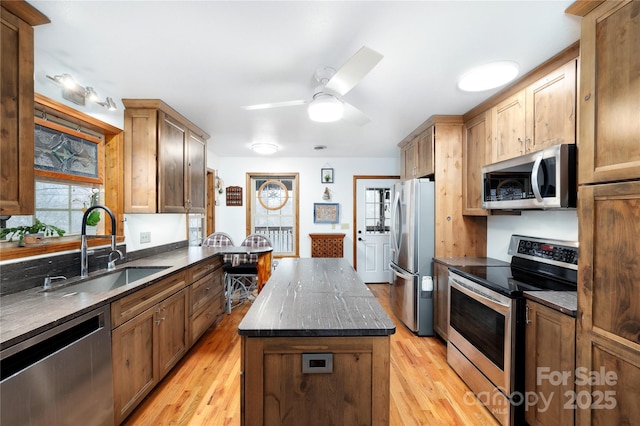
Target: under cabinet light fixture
(77, 94)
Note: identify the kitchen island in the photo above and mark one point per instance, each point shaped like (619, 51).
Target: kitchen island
(315, 348)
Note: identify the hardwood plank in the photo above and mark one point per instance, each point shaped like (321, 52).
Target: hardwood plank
(204, 387)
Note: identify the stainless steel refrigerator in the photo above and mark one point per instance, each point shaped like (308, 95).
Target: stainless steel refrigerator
(413, 248)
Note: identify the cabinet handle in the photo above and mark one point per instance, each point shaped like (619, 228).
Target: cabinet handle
(526, 143)
(526, 314)
(157, 314)
(521, 146)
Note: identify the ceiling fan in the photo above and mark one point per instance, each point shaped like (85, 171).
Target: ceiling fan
(326, 104)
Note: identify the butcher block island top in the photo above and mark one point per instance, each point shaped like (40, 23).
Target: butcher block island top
(315, 349)
(315, 297)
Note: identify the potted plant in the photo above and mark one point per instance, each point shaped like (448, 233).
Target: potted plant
(38, 231)
(94, 216)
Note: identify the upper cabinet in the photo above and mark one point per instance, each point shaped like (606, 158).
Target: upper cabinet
(476, 152)
(416, 154)
(610, 93)
(16, 108)
(539, 116)
(165, 159)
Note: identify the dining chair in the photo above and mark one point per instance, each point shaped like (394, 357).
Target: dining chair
(220, 239)
(242, 276)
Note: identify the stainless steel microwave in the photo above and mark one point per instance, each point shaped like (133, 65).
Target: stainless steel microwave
(544, 179)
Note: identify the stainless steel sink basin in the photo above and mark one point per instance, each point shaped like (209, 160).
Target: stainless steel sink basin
(111, 281)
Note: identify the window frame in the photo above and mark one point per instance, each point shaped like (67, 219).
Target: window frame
(250, 176)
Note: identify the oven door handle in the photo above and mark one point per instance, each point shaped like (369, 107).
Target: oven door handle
(481, 297)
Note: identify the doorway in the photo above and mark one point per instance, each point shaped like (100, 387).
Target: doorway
(372, 217)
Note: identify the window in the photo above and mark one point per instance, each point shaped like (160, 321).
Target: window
(273, 210)
(377, 210)
(58, 204)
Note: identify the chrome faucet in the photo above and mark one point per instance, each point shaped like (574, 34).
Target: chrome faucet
(84, 256)
(49, 280)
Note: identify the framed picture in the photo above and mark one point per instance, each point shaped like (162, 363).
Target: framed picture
(326, 175)
(326, 213)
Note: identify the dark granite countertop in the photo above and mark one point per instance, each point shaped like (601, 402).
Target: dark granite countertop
(470, 261)
(28, 313)
(315, 297)
(563, 301)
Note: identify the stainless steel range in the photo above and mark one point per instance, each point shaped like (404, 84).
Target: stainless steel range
(487, 318)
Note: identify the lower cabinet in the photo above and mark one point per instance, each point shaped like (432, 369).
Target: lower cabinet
(549, 365)
(153, 328)
(441, 299)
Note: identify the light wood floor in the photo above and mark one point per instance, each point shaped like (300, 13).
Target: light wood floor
(204, 388)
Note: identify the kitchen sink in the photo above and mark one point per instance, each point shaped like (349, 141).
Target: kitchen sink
(111, 281)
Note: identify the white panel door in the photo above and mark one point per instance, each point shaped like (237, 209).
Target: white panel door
(373, 217)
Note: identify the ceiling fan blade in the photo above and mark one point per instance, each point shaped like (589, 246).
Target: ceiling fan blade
(354, 115)
(354, 70)
(274, 105)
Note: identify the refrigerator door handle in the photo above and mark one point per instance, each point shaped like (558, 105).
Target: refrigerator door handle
(399, 273)
(396, 231)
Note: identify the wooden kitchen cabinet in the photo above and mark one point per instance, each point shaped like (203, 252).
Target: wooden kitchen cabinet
(608, 293)
(17, 114)
(537, 117)
(416, 155)
(206, 297)
(327, 245)
(549, 350)
(476, 152)
(610, 93)
(148, 338)
(441, 299)
(165, 159)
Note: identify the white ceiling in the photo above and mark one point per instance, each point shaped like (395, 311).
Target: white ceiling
(207, 59)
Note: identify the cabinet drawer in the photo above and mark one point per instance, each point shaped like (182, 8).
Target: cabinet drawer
(202, 291)
(203, 320)
(129, 306)
(203, 268)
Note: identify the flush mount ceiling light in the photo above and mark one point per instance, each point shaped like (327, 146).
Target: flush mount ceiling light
(265, 148)
(77, 94)
(325, 108)
(488, 76)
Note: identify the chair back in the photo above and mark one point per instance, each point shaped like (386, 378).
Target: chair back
(219, 239)
(254, 240)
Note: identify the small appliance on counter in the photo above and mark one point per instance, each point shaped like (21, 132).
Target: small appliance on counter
(412, 251)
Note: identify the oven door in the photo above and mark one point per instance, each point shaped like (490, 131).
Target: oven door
(481, 326)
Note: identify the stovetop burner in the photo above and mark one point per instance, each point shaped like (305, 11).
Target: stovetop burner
(536, 265)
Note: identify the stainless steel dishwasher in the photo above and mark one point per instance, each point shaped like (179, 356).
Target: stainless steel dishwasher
(60, 377)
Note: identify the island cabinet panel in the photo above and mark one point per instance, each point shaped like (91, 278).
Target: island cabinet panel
(315, 349)
(277, 391)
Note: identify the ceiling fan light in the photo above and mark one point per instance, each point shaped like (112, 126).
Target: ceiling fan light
(265, 148)
(325, 108)
(488, 76)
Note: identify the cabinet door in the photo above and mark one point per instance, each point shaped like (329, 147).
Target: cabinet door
(551, 109)
(407, 159)
(16, 114)
(441, 300)
(476, 151)
(610, 93)
(549, 350)
(197, 172)
(140, 160)
(172, 140)
(608, 295)
(509, 127)
(172, 331)
(424, 153)
(134, 371)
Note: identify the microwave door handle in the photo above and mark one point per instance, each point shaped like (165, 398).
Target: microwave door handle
(534, 179)
(492, 303)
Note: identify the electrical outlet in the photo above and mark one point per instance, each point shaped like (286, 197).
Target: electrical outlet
(145, 237)
(344, 226)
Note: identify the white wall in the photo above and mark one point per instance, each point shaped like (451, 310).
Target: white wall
(232, 170)
(165, 228)
(559, 225)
